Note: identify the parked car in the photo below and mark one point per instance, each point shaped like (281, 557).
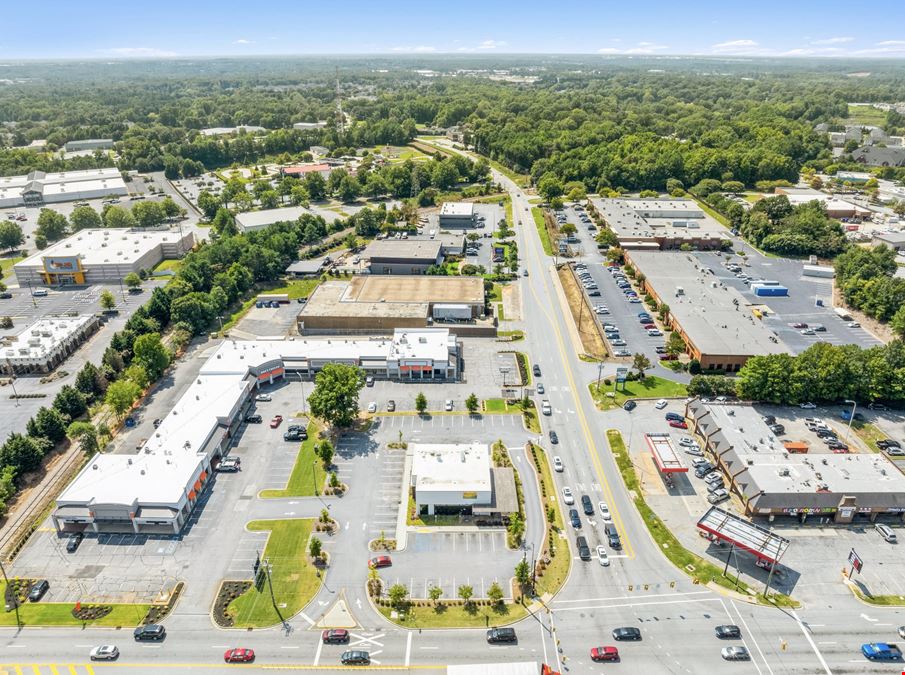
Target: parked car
(372, 407)
(807, 406)
(263, 397)
(886, 532)
(380, 561)
(153, 632)
(391, 405)
(254, 419)
(659, 405)
(777, 429)
(626, 633)
(369, 381)
(678, 425)
(497, 635)
(335, 636)
(229, 464)
(448, 405)
(718, 496)
(38, 590)
(728, 632)
(104, 653)
(239, 655)
(276, 421)
(72, 543)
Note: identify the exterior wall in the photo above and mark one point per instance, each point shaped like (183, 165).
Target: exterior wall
(456, 221)
(433, 498)
(400, 266)
(25, 366)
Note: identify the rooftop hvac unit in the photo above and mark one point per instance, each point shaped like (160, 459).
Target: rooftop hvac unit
(784, 471)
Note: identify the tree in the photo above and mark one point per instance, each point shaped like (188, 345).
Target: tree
(196, 309)
(523, 572)
(117, 216)
(568, 229)
(90, 381)
(675, 345)
(465, 593)
(662, 311)
(22, 452)
(335, 395)
(472, 403)
(640, 362)
(148, 214)
(84, 217)
(398, 594)
(7, 486)
(170, 208)
(348, 189)
(85, 434)
(434, 593)
(897, 322)
(550, 186)
(150, 353)
(516, 527)
(495, 593)
(48, 423)
(10, 235)
(121, 395)
(70, 402)
(314, 548)
(51, 224)
(132, 280)
(208, 204)
(421, 403)
(324, 451)
(107, 300)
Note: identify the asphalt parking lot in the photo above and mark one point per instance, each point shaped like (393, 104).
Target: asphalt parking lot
(270, 321)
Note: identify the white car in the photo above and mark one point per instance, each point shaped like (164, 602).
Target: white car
(557, 464)
(263, 397)
(687, 440)
(545, 407)
(853, 324)
(602, 557)
(807, 406)
(104, 653)
(604, 512)
(372, 407)
(449, 405)
(567, 496)
(659, 405)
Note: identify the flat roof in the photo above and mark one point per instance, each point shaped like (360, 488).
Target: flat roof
(331, 298)
(448, 467)
(7, 182)
(891, 237)
(658, 218)
(311, 266)
(462, 209)
(43, 336)
(400, 288)
(104, 246)
(665, 455)
(743, 533)
(403, 249)
(705, 311)
(221, 131)
(254, 219)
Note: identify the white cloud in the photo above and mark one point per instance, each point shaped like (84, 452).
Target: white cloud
(137, 52)
(639, 49)
(243, 41)
(814, 51)
(897, 43)
(492, 44)
(886, 47)
(833, 41)
(734, 45)
(419, 49)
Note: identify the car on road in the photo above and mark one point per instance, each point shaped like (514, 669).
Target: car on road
(355, 658)
(540, 388)
(807, 406)
(38, 590)
(807, 331)
(391, 406)
(380, 561)
(612, 535)
(229, 464)
(626, 633)
(567, 496)
(604, 654)
(536, 370)
(587, 506)
(545, 407)
(496, 635)
(335, 636)
(604, 511)
(602, 557)
(677, 424)
(735, 653)
(263, 397)
(254, 419)
(557, 464)
(629, 406)
(372, 407)
(799, 325)
(72, 543)
(239, 655)
(853, 324)
(886, 532)
(448, 405)
(6, 295)
(153, 632)
(728, 632)
(554, 439)
(574, 518)
(659, 405)
(276, 421)
(104, 653)
(584, 551)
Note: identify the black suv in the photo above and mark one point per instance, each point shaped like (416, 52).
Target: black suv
(587, 505)
(728, 632)
(703, 470)
(38, 590)
(574, 519)
(73, 542)
(153, 632)
(612, 535)
(885, 444)
(626, 633)
(536, 370)
(355, 658)
(584, 551)
(254, 419)
(501, 635)
(629, 405)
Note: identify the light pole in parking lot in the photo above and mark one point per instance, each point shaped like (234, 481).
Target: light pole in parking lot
(599, 373)
(15, 596)
(848, 430)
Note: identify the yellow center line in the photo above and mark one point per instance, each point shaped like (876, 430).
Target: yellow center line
(595, 459)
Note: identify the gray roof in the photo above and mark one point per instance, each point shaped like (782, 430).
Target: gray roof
(875, 156)
(312, 266)
(891, 237)
(403, 249)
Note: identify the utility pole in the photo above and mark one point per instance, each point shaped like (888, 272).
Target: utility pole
(15, 596)
(12, 382)
(848, 431)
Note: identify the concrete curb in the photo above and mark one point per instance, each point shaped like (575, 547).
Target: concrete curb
(402, 512)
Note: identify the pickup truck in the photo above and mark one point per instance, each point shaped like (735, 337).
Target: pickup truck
(881, 651)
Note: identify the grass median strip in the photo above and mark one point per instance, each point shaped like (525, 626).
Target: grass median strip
(60, 614)
(425, 615)
(651, 387)
(294, 578)
(696, 567)
(538, 216)
(308, 475)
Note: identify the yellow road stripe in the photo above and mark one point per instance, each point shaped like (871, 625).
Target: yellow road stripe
(53, 670)
(72, 670)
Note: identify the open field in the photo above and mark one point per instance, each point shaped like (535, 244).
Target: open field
(591, 339)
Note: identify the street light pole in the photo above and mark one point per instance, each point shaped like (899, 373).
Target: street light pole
(848, 430)
(14, 595)
(599, 373)
(12, 382)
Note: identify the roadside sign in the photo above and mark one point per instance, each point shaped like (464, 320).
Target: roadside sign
(621, 374)
(856, 561)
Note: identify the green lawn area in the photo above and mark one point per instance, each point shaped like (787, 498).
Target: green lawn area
(716, 215)
(868, 433)
(753, 198)
(60, 614)
(693, 565)
(495, 294)
(866, 114)
(879, 600)
(294, 579)
(6, 265)
(428, 521)
(171, 265)
(516, 335)
(651, 387)
(457, 616)
(498, 406)
(308, 475)
(538, 215)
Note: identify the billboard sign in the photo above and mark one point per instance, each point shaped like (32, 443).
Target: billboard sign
(856, 561)
(621, 374)
(62, 264)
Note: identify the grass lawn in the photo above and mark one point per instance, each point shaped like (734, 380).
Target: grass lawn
(294, 579)
(6, 265)
(693, 565)
(60, 614)
(879, 600)
(425, 520)
(458, 617)
(716, 215)
(165, 265)
(499, 406)
(866, 114)
(753, 198)
(495, 294)
(515, 335)
(538, 215)
(308, 473)
(651, 387)
(868, 433)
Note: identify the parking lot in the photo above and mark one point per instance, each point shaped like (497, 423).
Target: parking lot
(800, 305)
(270, 321)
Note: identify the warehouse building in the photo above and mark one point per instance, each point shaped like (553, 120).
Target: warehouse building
(89, 144)
(402, 256)
(717, 323)
(835, 208)
(460, 479)
(307, 126)
(258, 220)
(771, 481)
(156, 490)
(302, 170)
(101, 255)
(457, 215)
(382, 304)
(46, 343)
(653, 224)
(39, 188)
(893, 240)
(227, 131)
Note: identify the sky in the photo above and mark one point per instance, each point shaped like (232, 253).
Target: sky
(79, 29)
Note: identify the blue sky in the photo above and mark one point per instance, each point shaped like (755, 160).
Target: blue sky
(162, 28)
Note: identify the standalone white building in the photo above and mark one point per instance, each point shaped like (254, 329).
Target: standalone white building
(89, 144)
(38, 188)
(457, 214)
(451, 476)
(46, 343)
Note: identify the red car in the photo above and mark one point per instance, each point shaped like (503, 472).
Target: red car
(648, 326)
(276, 421)
(668, 357)
(335, 636)
(239, 655)
(604, 654)
(799, 325)
(380, 561)
(677, 425)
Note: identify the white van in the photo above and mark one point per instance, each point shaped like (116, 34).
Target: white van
(886, 532)
(39, 292)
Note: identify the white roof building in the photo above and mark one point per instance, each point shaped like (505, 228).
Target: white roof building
(451, 475)
(257, 220)
(225, 131)
(38, 188)
(46, 343)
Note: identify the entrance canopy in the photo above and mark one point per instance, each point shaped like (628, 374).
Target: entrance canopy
(746, 535)
(665, 455)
